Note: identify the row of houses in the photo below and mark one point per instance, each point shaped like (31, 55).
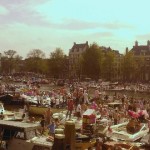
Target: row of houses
(139, 51)
(143, 52)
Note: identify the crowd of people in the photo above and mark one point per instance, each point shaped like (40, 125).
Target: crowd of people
(76, 98)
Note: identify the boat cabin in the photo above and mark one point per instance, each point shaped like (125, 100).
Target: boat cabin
(22, 136)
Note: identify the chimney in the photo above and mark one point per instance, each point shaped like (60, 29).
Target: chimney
(127, 50)
(136, 43)
(87, 42)
(74, 43)
(148, 43)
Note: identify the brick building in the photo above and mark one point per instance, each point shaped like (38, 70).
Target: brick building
(143, 52)
(74, 58)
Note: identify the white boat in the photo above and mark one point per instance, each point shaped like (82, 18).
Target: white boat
(22, 136)
(9, 115)
(119, 132)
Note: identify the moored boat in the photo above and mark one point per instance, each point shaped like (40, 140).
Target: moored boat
(22, 136)
(10, 115)
(120, 132)
(40, 110)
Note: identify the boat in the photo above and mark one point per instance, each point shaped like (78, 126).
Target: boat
(6, 98)
(12, 98)
(9, 115)
(122, 145)
(37, 110)
(120, 132)
(22, 136)
(40, 110)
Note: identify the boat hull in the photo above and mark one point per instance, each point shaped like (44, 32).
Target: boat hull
(40, 110)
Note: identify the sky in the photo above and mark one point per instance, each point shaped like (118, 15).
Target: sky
(49, 24)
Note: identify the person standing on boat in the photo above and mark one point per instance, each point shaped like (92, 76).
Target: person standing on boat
(42, 123)
(116, 117)
(57, 101)
(70, 107)
(86, 99)
(78, 111)
(25, 111)
(51, 128)
(48, 115)
(96, 94)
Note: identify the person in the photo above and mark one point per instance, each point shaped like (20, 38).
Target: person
(94, 105)
(96, 94)
(25, 109)
(70, 106)
(116, 117)
(98, 144)
(57, 102)
(51, 128)
(85, 95)
(78, 111)
(57, 122)
(42, 123)
(48, 115)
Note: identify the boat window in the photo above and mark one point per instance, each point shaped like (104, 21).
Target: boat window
(20, 135)
(8, 134)
(30, 134)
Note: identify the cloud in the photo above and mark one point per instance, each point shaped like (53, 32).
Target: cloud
(3, 10)
(102, 34)
(143, 36)
(116, 25)
(78, 25)
(85, 25)
(21, 2)
(22, 11)
(26, 12)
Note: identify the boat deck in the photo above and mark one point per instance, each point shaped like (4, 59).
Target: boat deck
(18, 125)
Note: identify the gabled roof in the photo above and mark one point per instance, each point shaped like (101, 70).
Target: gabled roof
(137, 50)
(79, 46)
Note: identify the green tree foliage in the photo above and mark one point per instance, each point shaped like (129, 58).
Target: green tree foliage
(128, 67)
(35, 61)
(9, 61)
(58, 63)
(18, 63)
(140, 68)
(108, 65)
(92, 61)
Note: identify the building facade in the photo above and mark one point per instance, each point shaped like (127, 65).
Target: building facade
(116, 64)
(142, 53)
(75, 54)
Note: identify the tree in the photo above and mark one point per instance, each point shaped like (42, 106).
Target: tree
(18, 63)
(35, 61)
(36, 53)
(128, 67)
(9, 61)
(58, 63)
(108, 65)
(92, 61)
